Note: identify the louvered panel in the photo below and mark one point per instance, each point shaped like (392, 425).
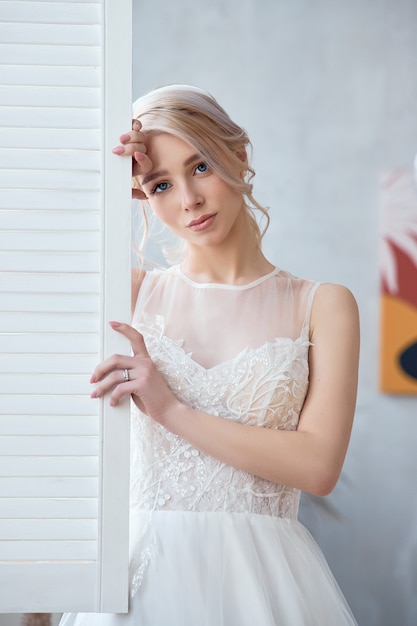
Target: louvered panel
(52, 33)
(51, 445)
(50, 466)
(46, 199)
(76, 302)
(66, 574)
(26, 54)
(46, 2)
(49, 487)
(62, 511)
(51, 302)
(25, 425)
(49, 179)
(51, 159)
(54, 529)
(46, 363)
(44, 384)
(46, 509)
(43, 96)
(49, 343)
(39, 550)
(57, 139)
(66, 283)
(18, 116)
(43, 322)
(28, 219)
(52, 405)
(50, 75)
(21, 261)
(74, 240)
(71, 12)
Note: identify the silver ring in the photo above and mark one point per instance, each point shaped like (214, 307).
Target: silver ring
(126, 376)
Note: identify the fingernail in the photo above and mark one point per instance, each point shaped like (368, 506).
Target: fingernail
(115, 324)
(93, 379)
(125, 138)
(118, 150)
(93, 394)
(140, 156)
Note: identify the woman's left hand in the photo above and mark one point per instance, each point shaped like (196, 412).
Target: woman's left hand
(135, 376)
(133, 144)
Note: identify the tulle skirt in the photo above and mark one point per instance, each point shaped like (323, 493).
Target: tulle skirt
(230, 569)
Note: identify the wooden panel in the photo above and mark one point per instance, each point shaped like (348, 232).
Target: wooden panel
(49, 486)
(42, 240)
(53, 12)
(49, 54)
(50, 179)
(47, 117)
(51, 405)
(50, 466)
(50, 75)
(55, 529)
(56, 591)
(41, 261)
(49, 343)
(38, 550)
(59, 283)
(57, 139)
(18, 425)
(51, 159)
(29, 219)
(33, 446)
(54, 33)
(48, 508)
(49, 199)
(63, 498)
(47, 363)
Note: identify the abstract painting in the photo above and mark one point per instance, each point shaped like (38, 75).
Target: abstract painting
(398, 283)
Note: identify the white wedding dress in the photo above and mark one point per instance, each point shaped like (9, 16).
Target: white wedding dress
(212, 545)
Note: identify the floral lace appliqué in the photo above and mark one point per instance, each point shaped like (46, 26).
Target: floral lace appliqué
(263, 387)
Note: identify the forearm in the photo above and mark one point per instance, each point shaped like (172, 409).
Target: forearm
(294, 458)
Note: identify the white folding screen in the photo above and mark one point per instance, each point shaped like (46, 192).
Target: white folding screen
(65, 97)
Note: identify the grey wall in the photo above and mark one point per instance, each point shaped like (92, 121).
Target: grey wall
(328, 92)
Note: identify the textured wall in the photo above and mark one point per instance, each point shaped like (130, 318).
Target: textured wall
(327, 91)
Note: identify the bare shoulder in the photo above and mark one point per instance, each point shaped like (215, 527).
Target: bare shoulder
(334, 295)
(334, 306)
(138, 275)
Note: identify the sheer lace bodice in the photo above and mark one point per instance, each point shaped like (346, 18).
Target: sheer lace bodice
(236, 352)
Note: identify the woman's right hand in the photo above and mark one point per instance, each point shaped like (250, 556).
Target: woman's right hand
(133, 144)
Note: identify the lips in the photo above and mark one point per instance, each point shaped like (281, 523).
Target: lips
(202, 222)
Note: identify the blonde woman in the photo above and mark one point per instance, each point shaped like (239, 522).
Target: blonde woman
(243, 380)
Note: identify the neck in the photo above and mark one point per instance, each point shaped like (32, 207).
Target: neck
(232, 265)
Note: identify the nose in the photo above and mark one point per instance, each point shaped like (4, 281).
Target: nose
(190, 197)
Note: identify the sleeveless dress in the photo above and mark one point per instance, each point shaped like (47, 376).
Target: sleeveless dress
(212, 545)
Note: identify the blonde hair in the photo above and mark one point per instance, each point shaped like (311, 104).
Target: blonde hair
(194, 116)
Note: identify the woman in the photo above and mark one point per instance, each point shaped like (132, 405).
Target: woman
(244, 383)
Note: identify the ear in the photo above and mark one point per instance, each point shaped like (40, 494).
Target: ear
(242, 155)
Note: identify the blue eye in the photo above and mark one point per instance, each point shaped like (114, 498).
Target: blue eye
(202, 168)
(160, 187)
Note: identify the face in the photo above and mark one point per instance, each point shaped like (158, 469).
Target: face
(184, 193)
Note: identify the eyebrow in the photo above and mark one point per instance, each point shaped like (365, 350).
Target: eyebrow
(153, 175)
